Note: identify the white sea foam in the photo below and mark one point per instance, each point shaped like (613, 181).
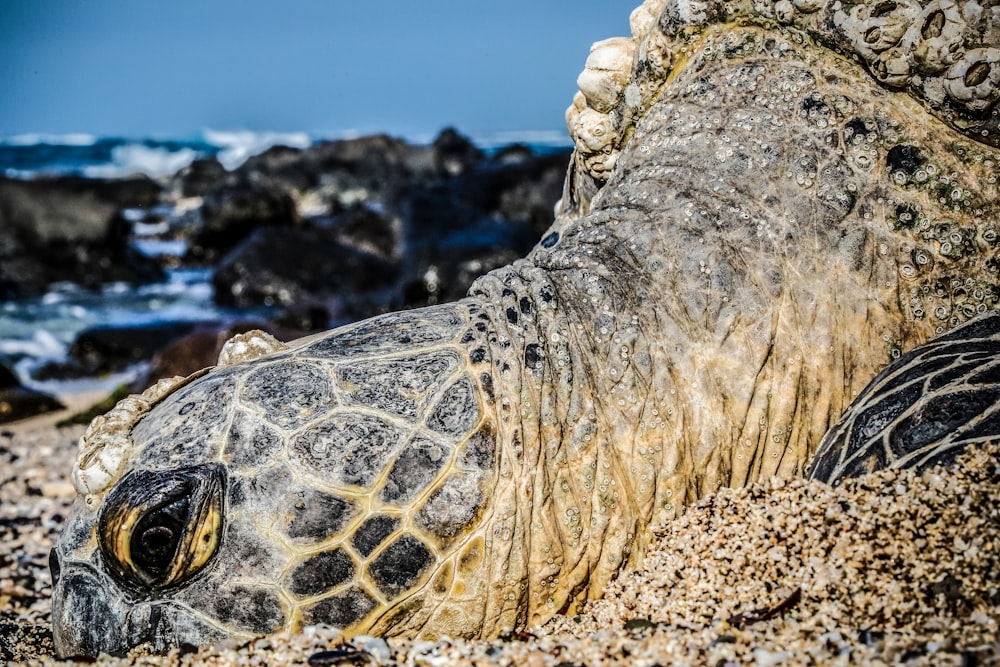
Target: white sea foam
(42, 345)
(237, 146)
(132, 159)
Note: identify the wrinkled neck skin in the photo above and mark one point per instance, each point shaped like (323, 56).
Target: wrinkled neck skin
(776, 231)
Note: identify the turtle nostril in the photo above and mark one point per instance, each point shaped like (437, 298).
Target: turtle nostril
(55, 566)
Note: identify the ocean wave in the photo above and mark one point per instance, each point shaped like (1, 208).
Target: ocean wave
(236, 146)
(497, 140)
(133, 159)
(35, 139)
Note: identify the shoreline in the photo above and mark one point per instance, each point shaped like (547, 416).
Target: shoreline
(74, 403)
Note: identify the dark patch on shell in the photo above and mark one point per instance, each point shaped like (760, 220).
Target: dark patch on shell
(401, 565)
(341, 610)
(373, 532)
(317, 516)
(320, 573)
(458, 410)
(250, 609)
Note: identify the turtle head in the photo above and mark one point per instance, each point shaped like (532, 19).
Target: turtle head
(155, 530)
(343, 479)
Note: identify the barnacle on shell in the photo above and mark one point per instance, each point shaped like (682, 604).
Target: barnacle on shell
(644, 17)
(248, 346)
(874, 27)
(974, 81)
(936, 39)
(891, 68)
(809, 6)
(606, 72)
(105, 446)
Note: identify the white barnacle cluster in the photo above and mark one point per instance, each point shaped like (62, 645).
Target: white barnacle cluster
(621, 77)
(249, 346)
(943, 51)
(105, 446)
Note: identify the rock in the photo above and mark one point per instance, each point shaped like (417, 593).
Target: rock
(453, 153)
(295, 267)
(378, 168)
(58, 230)
(200, 178)
(231, 213)
(367, 230)
(104, 350)
(19, 402)
(480, 220)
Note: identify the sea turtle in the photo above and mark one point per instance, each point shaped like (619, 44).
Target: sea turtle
(768, 203)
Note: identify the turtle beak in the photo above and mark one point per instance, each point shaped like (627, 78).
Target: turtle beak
(86, 620)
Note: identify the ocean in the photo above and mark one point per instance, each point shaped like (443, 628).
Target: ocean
(37, 330)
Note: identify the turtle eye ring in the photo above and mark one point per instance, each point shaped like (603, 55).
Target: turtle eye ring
(158, 529)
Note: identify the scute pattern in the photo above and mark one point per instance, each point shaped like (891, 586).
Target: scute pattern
(341, 610)
(400, 386)
(417, 465)
(458, 410)
(348, 451)
(316, 516)
(288, 393)
(188, 424)
(923, 409)
(319, 432)
(250, 443)
(321, 573)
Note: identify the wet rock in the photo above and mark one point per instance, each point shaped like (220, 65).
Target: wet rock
(367, 230)
(19, 402)
(486, 217)
(232, 212)
(104, 350)
(374, 168)
(200, 178)
(58, 230)
(297, 267)
(453, 153)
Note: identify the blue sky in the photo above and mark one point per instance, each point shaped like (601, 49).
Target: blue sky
(174, 67)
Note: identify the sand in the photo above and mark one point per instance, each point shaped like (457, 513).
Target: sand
(895, 568)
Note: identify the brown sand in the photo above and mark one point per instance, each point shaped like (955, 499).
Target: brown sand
(892, 569)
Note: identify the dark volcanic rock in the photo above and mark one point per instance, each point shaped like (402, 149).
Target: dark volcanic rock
(104, 350)
(486, 217)
(19, 402)
(292, 267)
(58, 230)
(377, 167)
(453, 153)
(200, 178)
(233, 211)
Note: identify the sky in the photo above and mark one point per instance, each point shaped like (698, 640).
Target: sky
(172, 68)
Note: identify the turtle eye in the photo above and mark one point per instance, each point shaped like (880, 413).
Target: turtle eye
(157, 536)
(158, 529)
